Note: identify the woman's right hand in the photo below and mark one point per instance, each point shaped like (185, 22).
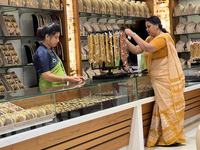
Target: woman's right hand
(74, 79)
(129, 32)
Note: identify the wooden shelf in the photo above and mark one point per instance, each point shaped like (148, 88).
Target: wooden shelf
(188, 33)
(108, 16)
(184, 16)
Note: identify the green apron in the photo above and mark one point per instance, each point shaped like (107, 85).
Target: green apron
(58, 70)
(143, 63)
(116, 64)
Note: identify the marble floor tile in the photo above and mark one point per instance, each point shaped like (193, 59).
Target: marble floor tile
(192, 133)
(190, 145)
(149, 148)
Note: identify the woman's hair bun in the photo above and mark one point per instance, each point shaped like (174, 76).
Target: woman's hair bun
(39, 32)
(50, 29)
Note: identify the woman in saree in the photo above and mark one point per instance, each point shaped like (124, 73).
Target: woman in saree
(47, 64)
(168, 82)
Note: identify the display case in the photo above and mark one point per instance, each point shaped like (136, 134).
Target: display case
(31, 108)
(40, 113)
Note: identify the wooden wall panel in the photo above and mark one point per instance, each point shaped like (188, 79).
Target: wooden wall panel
(191, 94)
(146, 122)
(193, 100)
(114, 144)
(146, 131)
(34, 101)
(173, 21)
(192, 112)
(77, 38)
(146, 108)
(92, 136)
(66, 134)
(147, 116)
(101, 140)
(193, 105)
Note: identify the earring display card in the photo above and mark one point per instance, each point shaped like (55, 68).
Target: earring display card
(9, 55)
(2, 87)
(11, 81)
(9, 25)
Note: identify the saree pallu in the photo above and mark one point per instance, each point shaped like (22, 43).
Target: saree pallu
(168, 113)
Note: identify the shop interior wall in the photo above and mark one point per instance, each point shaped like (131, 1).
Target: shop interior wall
(26, 74)
(194, 18)
(186, 20)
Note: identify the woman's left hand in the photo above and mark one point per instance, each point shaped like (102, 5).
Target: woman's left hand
(81, 77)
(130, 71)
(129, 32)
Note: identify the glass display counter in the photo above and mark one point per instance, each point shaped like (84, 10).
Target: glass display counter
(28, 109)
(192, 75)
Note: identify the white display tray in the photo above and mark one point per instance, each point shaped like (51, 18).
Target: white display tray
(26, 124)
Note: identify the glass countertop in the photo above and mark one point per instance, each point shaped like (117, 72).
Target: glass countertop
(34, 92)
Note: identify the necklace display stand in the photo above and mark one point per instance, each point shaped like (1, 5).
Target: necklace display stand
(190, 9)
(180, 28)
(179, 10)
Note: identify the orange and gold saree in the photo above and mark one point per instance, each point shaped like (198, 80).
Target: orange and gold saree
(168, 81)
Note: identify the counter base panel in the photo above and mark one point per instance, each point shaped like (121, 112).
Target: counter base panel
(100, 133)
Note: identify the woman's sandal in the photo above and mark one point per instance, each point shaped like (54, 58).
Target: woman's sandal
(172, 145)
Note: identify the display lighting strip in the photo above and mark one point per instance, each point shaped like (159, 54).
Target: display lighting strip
(161, 9)
(71, 37)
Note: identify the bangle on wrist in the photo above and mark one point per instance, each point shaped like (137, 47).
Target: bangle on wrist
(133, 34)
(62, 79)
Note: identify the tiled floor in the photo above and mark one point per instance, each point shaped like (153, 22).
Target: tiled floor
(190, 132)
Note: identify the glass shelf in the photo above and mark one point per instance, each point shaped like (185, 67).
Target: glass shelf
(192, 67)
(6, 38)
(34, 92)
(15, 66)
(108, 16)
(89, 83)
(7, 8)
